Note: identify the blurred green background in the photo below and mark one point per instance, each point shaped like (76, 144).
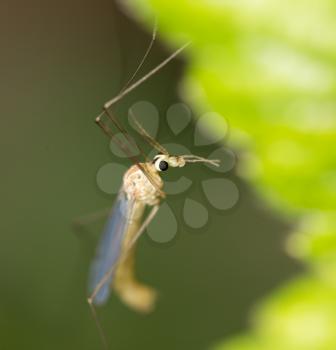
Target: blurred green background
(60, 61)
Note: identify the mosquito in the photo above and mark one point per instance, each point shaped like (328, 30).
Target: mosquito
(142, 187)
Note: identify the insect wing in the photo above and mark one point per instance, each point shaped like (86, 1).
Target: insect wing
(109, 247)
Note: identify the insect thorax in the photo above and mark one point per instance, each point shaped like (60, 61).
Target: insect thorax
(138, 186)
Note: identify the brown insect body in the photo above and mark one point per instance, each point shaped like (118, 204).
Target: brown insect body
(139, 189)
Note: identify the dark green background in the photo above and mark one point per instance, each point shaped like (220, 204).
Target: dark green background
(60, 62)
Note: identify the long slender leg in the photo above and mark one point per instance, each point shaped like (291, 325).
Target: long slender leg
(149, 48)
(127, 249)
(108, 274)
(80, 227)
(146, 135)
(144, 225)
(108, 104)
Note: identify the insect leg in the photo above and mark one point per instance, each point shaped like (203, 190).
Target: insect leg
(105, 278)
(109, 273)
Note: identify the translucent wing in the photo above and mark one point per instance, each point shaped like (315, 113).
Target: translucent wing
(109, 247)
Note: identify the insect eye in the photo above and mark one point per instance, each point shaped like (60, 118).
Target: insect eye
(161, 165)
